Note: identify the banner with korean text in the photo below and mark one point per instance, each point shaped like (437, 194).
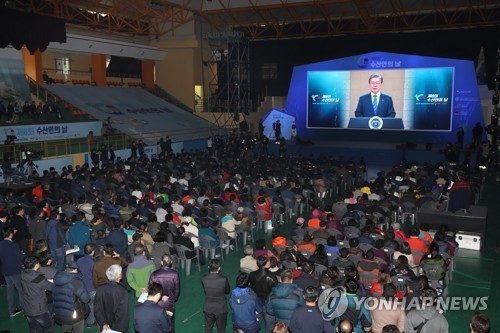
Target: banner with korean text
(43, 132)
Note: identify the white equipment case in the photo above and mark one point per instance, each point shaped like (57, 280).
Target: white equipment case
(468, 240)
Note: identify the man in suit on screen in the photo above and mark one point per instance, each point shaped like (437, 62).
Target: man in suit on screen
(375, 103)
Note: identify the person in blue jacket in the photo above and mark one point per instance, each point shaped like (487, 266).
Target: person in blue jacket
(70, 300)
(56, 239)
(245, 306)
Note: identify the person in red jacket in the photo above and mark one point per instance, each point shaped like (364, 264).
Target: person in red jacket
(264, 207)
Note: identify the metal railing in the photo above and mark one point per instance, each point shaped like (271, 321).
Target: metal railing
(64, 147)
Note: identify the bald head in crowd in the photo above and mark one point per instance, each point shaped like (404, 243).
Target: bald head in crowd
(345, 326)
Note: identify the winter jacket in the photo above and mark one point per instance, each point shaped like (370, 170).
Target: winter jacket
(86, 267)
(245, 306)
(169, 280)
(11, 258)
(70, 299)
(111, 306)
(437, 323)
(262, 282)
(34, 297)
(283, 300)
(357, 314)
(138, 273)
(55, 235)
(79, 234)
(119, 240)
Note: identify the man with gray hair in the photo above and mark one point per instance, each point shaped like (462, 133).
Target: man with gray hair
(111, 302)
(248, 263)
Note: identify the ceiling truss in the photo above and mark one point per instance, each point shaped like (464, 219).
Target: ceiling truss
(266, 19)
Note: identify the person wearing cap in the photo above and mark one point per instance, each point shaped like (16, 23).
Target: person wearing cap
(300, 231)
(315, 219)
(70, 299)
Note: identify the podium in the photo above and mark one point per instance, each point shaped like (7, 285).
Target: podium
(387, 123)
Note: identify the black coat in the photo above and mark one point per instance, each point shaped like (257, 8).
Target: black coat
(216, 288)
(262, 282)
(111, 306)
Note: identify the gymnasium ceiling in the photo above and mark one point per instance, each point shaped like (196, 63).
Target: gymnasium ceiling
(266, 19)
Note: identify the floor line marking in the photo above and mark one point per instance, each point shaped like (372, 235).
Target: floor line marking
(194, 314)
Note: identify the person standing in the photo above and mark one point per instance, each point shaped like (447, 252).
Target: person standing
(70, 300)
(308, 318)
(284, 298)
(262, 282)
(109, 257)
(11, 260)
(22, 234)
(460, 137)
(86, 267)
(139, 270)
(56, 239)
(79, 234)
(170, 282)
(477, 135)
(35, 307)
(149, 317)
(246, 306)
(216, 288)
(277, 130)
(111, 302)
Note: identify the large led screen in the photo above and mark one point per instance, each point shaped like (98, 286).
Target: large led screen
(418, 99)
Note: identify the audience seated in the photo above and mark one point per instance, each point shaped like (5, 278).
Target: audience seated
(155, 204)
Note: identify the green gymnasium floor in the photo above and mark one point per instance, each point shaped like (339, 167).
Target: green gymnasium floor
(476, 274)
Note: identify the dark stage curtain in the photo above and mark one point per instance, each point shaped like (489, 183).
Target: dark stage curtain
(463, 44)
(36, 32)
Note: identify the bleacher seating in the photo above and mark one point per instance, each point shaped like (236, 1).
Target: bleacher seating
(80, 82)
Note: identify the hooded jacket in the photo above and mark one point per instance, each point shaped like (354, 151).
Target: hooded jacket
(34, 297)
(70, 298)
(283, 300)
(245, 306)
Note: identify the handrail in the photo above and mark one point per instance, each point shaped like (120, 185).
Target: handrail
(62, 147)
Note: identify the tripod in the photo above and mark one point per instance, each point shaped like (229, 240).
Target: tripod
(28, 167)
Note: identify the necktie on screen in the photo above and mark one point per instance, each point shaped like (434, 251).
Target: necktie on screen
(375, 104)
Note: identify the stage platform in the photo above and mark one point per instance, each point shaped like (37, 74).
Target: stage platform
(374, 153)
(474, 222)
